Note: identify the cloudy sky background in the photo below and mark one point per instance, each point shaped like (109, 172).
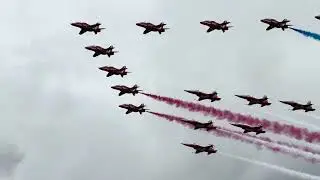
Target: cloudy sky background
(58, 108)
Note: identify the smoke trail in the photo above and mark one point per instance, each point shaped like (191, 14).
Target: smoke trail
(227, 134)
(290, 145)
(291, 120)
(307, 33)
(289, 172)
(273, 126)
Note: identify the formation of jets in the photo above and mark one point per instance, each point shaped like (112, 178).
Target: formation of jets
(160, 28)
(252, 100)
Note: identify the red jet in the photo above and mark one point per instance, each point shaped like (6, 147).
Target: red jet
(114, 71)
(216, 26)
(149, 27)
(101, 51)
(252, 100)
(85, 27)
(297, 106)
(132, 108)
(127, 90)
(199, 125)
(276, 24)
(246, 128)
(202, 96)
(208, 149)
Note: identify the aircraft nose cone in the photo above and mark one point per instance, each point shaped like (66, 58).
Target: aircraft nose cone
(139, 24)
(317, 17)
(263, 20)
(203, 22)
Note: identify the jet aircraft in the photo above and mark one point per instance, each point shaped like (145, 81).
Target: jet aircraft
(199, 125)
(101, 51)
(127, 90)
(297, 106)
(246, 128)
(114, 71)
(216, 26)
(132, 108)
(276, 24)
(149, 27)
(317, 17)
(208, 149)
(202, 96)
(252, 100)
(85, 27)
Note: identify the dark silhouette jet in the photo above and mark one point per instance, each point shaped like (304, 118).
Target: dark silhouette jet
(199, 149)
(252, 100)
(199, 125)
(216, 26)
(132, 108)
(202, 96)
(246, 128)
(85, 27)
(276, 24)
(149, 27)
(101, 51)
(114, 71)
(127, 90)
(297, 106)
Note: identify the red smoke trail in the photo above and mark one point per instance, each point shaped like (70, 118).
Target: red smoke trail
(290, 145)
(226, 133)
(284, 129)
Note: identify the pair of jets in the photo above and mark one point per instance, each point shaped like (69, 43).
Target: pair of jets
(273, 23)
(209, 126)
(264, 102)
(95, 28)
(252, 100)
(209, 149)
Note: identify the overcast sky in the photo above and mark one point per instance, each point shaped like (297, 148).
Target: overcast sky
(58, 108)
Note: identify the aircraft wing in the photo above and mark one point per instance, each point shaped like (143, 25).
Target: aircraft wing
(291, 103)
(195, 92)
(249, 98)
(269, 28)
(240, 125)
(190, 122)
(191, 145)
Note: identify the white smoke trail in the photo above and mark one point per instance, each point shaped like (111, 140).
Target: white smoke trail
(291, 120)
(274, 167)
